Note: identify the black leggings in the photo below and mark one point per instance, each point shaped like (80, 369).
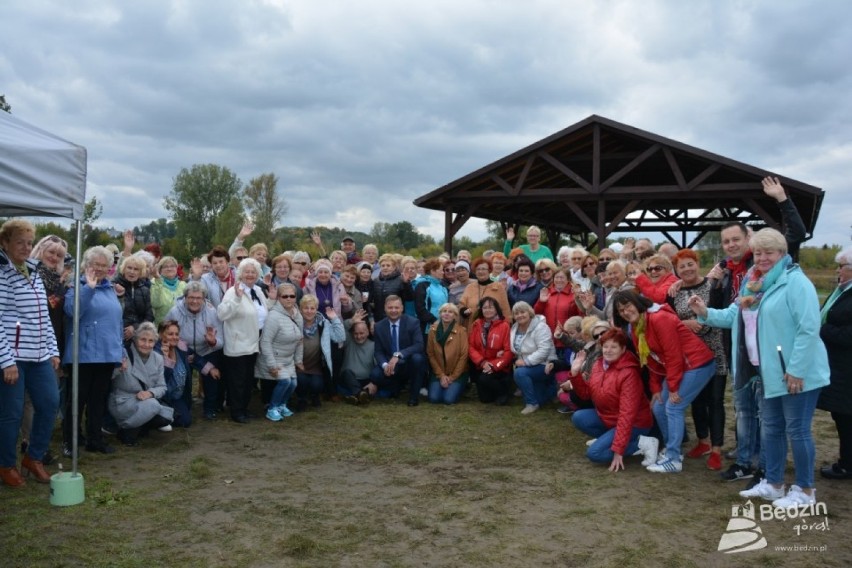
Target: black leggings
(708, 411)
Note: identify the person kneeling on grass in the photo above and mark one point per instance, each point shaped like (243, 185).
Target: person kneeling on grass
(621, 414)
(138, 386)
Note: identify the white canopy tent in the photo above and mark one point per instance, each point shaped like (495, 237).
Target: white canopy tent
(43, 175)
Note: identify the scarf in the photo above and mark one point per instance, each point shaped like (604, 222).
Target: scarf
(642, 340)
(830, 301)
(170, 283)
(441, 334)
(22, 268)
(311, 330)
(758, 283)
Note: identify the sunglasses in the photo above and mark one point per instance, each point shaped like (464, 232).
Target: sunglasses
(287, 295)
(656, 268)
(598, 335)
(242, 257)
(302, 262)
(590, 264)
(540, 270)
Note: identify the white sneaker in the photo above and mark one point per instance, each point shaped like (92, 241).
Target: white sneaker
(529, 409)
(668, 465)
(795, 498)
(648, 447)
(592, 441)
(166, 428)
(765, 491)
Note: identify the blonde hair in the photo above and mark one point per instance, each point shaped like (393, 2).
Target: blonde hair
(134, 261)
(309, 299)
(768, 239)
(450, 306)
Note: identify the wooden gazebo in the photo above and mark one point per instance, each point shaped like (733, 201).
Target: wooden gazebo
(599, 177)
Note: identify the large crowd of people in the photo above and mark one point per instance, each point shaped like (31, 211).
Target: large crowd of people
(625, 341)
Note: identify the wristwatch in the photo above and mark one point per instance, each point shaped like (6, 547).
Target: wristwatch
(398, 355)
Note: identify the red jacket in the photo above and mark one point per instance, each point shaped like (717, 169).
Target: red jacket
(558, 308)
(619, 398)
(655, 292)
(674, 348)
(497, 342)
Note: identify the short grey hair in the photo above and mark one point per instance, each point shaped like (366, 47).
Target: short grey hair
(248, 262)
(523, 307)
(844, 256)
(768, 239)
(145, 327)
(192, 287)
(93, 252)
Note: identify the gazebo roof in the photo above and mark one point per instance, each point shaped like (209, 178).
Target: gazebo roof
(599, 177)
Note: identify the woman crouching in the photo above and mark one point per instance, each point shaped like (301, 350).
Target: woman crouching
(136, 389)
(621, 413)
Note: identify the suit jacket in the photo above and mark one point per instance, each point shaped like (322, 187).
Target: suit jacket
(410, 339)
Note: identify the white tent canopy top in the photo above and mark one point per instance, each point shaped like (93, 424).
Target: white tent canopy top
(41, 175)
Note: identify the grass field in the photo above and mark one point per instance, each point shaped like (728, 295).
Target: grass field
(386, 485)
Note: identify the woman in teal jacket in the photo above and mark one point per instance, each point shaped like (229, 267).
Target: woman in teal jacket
(775, 336)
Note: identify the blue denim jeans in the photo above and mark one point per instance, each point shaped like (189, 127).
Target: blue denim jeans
(670, 415)
(537, 387)
(39, 381)
(748, 401)
(588, 422)
(449, 395)
(790, 416)
(283, 389)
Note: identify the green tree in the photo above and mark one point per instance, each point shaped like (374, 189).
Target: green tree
(228, 223)
(264, 206)
(198, 197)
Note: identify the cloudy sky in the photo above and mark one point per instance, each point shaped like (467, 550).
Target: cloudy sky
(360, 107)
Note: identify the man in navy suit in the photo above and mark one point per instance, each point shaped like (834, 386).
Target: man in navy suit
(399, 351)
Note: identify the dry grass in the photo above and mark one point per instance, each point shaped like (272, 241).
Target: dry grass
(391, 486)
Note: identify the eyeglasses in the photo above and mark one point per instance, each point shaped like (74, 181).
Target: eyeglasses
(540, 270)
(656, 268)
(242, 257)
(449, 269)
(842, 266)
(287, 295)
(586, 265)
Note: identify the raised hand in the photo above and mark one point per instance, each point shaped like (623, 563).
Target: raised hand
(196, 268)
(510, 234)
(129, 241)
(210, 336)
(544, 295)
(246, 230)
(316, 238)
(773, 188)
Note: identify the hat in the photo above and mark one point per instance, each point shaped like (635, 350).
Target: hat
(462, 264)
(323, 263)
(363, 264)
(113, 248)
(347, 238)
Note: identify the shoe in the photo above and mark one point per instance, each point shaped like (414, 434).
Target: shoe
(273, 415)
(518, 392)
(764, 490)
(128, 437)
(335, 398)
(109, 430)
(100, 448)
(413, 402)
(529, 409)
(210, 416)
(240, 419)
(737, 472)
(35, 468)
(11, 476)
(351, 399)
(714, 462)
(731, 454)
(648, 447)
(756, 478)
(565, 410)
(66, 450)
(668, 465)
(284, 411)
(795, 498)
(316, 402)
(700, 450)
(502, 400)
(364, 397)
(166, 428)
(834, 471)
(592, 441)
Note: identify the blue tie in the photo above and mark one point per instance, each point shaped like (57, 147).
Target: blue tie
(394, 338)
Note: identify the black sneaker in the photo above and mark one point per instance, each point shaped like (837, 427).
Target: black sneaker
(756, 478)
(736, 472)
